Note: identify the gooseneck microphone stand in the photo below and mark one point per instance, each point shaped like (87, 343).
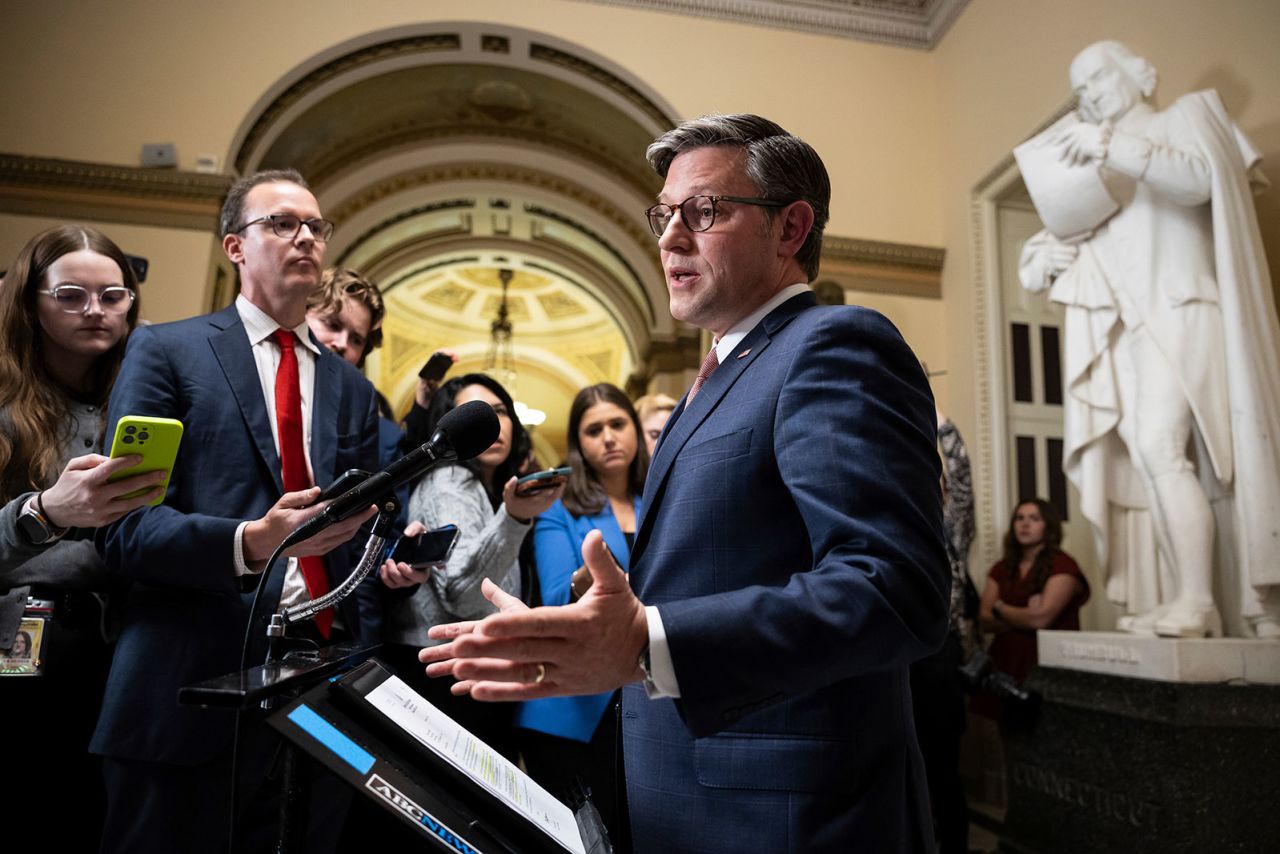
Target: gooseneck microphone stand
(277, 643)
(293, 665)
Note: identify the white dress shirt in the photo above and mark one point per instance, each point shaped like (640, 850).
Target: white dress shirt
(266, 356)
(662, 680)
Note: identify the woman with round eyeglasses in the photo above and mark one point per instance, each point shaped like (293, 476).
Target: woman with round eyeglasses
(67, 305)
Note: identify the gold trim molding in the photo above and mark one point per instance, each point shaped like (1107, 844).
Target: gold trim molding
(876, 266)
(918, 24)
(852, 250)
(75, 189)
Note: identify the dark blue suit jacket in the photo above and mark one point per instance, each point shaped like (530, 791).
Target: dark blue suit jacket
(792, 541)
(185, 618)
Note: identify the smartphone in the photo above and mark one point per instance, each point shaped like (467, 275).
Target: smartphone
(436, 367)
(532, 484)
(156, 439)
(428, 549)
(348, 479)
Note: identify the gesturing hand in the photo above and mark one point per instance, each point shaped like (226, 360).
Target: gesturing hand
(590, 646)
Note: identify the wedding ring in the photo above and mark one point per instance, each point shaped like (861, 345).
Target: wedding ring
(542, 674)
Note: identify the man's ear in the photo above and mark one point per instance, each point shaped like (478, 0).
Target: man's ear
(797, 222)
(233, 245)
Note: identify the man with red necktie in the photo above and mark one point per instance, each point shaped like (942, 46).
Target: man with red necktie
(269, 418)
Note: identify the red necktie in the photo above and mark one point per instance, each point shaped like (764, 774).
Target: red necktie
(293, 461)
(709, 366)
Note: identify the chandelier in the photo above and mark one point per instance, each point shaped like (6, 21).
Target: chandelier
(500, 363)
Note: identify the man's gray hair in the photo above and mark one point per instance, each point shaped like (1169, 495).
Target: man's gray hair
(783, 167)
(233, 208)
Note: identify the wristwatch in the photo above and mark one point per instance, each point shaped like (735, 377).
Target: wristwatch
(649, 685)
(35, 525)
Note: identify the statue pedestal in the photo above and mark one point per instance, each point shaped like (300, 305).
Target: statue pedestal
(1132, 764)
(1164, 659)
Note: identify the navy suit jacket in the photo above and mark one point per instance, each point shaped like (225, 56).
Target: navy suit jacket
(185, 618)
(792, 540)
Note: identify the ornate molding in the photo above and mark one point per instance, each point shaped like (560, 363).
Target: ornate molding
(46, 186)
(984, 472)
(852, 250)
(431, 43)
(918, 24)
(503, 173)
(578, 65)
(473, 127)
(428, 43)
(881, 267)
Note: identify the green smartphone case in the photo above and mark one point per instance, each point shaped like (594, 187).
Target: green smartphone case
(156, 439)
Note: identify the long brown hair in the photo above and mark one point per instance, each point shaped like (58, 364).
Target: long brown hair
(35, 409)
(1044, 558)
(584, 495)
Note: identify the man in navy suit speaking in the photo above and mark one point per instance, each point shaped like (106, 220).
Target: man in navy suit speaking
(269, 416)
(789, 562)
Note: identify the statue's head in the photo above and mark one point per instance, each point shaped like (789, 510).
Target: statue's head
(1109, 79)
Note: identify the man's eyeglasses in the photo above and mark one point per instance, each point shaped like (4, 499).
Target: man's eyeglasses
(288, 226)
(74, 299)
(698, 212)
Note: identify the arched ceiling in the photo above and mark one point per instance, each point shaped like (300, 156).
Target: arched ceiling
(422, 105)
(452, 152)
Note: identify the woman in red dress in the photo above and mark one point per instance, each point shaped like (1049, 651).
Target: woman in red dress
(1035, 586)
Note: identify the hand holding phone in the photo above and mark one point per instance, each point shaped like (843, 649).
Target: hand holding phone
(532, 484)
(156, 439)
(426, 550)
(437, 366)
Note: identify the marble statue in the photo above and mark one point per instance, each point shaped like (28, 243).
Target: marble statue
(1171, 348)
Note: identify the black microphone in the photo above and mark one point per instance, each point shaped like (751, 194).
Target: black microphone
(464, 432)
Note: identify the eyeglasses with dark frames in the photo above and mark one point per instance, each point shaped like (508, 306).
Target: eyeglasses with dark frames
(74, 299)
(288, 226)
(698, 213)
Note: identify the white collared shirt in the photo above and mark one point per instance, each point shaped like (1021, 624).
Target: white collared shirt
(258, 326)
(662, 680)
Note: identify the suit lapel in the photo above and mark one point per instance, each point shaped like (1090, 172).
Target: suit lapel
(235, 356)
(686, 419)
(324, 425)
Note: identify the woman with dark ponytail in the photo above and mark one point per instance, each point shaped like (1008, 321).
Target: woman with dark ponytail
(1035, 586)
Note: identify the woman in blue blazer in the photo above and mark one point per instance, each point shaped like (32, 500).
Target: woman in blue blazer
(564, 739)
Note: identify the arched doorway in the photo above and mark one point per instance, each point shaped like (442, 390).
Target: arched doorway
(448, 152)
